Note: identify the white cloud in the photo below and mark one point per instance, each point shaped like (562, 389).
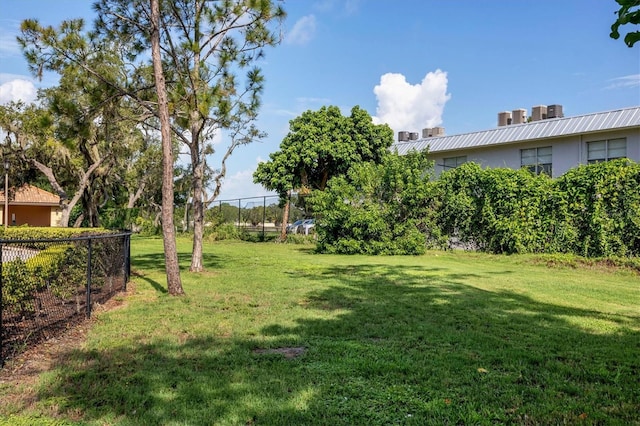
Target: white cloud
(412, 107)
(240, 185)
(632, 80)
(17, 90)
(303, 31)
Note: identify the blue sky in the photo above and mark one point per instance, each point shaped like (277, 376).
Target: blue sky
(410, 63)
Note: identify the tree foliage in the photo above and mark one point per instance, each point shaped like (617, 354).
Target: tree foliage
(501, 210)
(603, 205)
(320, 145)
(209, 50)
(203, 75)
(76, 140)
(628, 14)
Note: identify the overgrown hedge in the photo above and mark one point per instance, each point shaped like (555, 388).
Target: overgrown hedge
(398, 208)
(60, 267)
(21, 279)
(592, 210)
(46, 233)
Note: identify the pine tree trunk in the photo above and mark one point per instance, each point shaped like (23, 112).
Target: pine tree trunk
(198, 219)
(174, 283)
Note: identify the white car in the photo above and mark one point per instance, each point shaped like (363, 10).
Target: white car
(292, 228)
(306, 226)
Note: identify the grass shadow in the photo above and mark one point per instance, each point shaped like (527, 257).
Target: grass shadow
(156, 261)
(155, 284)
(383, 345)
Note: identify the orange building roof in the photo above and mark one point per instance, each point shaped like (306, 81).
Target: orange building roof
(31, 195)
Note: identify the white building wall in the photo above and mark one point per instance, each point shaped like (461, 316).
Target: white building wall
(567, 152)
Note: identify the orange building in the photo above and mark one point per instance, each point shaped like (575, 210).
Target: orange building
(31, 206)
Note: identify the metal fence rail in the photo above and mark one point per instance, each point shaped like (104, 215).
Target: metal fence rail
(46, 285)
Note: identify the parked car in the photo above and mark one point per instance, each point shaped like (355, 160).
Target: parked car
(306, 226)
(292, 228)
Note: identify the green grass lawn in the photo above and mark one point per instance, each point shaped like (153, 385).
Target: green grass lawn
(444, 338)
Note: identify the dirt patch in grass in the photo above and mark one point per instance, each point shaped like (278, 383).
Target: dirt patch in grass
(288, 352)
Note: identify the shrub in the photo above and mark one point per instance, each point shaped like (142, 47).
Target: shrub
(22, 279)
(222, 231)
(603, 204)
(592, 210)
(377, 208)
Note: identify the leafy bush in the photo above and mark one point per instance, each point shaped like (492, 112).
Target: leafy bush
(42, 233)
(222, 231)
(299, 239)
(502, 210)
(22, 279)
(19, 285)
(218, 228)
(145, 226)
(393, 208)
(61, 267)
(603, 202)
(377, 208)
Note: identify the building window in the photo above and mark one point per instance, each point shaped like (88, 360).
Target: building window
(598, 151)
(538, 160)
(453, 162)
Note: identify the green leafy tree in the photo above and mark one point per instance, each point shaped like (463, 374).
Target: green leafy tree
(208, 51)
(70, 48)
(189, 83)
(629, 13)
(320, 145)
(63, 142)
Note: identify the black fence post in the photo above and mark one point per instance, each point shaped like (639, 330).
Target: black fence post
(264, 214)
(89, 278)
(1, 308)
(127, 260)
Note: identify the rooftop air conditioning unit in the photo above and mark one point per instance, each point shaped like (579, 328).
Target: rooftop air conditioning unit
(519, 116)
(554, 111)
(539, 113)
(504, 118)
(403, 136)
(432, 132)
(413, 136)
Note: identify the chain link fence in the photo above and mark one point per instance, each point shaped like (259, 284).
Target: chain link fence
(262, 215)
(47, 285)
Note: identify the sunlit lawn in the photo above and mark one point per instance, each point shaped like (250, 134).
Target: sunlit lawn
(453, 338)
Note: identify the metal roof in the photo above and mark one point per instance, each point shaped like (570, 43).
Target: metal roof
(543, 129)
